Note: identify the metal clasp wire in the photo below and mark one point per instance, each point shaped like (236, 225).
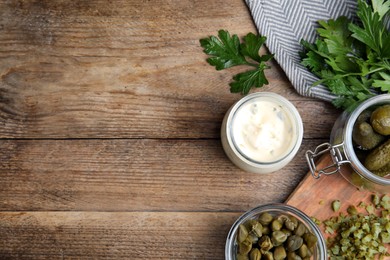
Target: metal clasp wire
(336, 155)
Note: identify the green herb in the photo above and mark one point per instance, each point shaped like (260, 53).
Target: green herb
(352, 59)
(226, 51)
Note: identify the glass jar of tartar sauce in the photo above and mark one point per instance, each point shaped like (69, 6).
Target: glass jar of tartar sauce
(261, 132)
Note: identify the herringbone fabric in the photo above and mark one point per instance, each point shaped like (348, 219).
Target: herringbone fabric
(285, 23)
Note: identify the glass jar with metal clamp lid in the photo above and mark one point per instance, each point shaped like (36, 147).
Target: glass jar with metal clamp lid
(348, 157)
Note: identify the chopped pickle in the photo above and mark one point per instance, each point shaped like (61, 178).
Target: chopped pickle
(352, 210)
(357, 235)
(336, 205)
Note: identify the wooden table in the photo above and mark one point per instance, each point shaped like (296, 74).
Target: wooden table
(109, 130)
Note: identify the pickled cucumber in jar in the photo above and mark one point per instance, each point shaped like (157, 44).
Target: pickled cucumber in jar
(380, 120)
(378, 158)
(371, 138)
(364, 135)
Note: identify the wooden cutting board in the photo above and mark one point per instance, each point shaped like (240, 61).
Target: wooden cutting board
(315, 196)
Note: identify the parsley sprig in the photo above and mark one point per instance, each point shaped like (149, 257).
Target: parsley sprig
(226, 51)
(352, 59)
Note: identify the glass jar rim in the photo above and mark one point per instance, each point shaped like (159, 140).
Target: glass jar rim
(290, 108)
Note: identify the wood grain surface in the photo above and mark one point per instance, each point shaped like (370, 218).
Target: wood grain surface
(114, 175)
(109, 130)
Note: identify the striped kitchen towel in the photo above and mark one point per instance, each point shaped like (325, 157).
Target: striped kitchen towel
(285, 23)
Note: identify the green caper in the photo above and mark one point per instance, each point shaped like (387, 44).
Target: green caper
(282, 218)
(276, 225)
(310, 239)
(280, 253)
(242, 233)
(245, 247)
(293, 256)
(303, 251)
(290, 225)
(268, 256)
(253, 238)
(257, 229)
(250, 223)
(294, 220)
(380, 119)
(278, 237)
(287, 232)
(265, 244)
(242, 257)
(265, 218)
(300, 230)
(294, 242)
(379, 157)
(364, 135)
(266, 230)
(309, 252)
(254, 254)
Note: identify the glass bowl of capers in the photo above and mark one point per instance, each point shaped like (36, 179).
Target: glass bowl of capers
(275, 231)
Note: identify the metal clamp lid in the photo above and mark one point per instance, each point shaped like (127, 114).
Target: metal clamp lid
(335, 154)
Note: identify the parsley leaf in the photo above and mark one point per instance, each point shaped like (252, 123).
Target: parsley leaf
(251, 46)
(352, 59)
(226, 51)
(373, 32)
(384, 85)
(244, 81)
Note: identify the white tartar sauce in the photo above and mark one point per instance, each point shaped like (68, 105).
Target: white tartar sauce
(263, 131)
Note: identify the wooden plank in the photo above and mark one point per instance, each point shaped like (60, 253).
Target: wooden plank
(142, 116)
(114, 235)
(97, 70)
(112, 70)
(135, 175)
